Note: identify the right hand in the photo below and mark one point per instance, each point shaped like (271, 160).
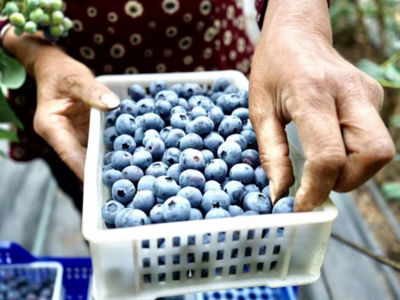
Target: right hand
(66, 91)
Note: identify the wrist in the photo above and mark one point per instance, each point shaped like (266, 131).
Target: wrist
(27, 49)
(306, 19)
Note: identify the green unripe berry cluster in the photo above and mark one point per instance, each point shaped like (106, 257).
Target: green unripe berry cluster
(31, 15)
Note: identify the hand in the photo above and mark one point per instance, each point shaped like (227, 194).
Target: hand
(66, 91)
(297, 75)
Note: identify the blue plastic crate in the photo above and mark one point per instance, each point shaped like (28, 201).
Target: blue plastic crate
(76, 275)
(256, 293)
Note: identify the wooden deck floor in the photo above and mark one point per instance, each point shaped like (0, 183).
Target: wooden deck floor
(35, 214)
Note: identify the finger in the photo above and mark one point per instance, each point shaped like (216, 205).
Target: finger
(273, 144)
(92, 92)
(373, 90)
(367, 141)
(320, 137)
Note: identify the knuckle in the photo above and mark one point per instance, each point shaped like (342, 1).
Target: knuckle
(331, 160)
(380, 153)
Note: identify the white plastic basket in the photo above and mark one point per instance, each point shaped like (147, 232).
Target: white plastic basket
(36, 271)
(126, 268)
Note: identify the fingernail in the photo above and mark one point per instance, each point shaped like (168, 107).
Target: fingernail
(110, 101)
(272, 191)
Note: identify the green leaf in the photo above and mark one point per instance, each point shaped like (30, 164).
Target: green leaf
(395, 120)
(13, 73)
(8, 135)
(372, 69)
(392, 73)
(2, 154)
(391, 190)
(6, 113)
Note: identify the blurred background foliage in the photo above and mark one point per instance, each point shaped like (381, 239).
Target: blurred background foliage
(367, 33)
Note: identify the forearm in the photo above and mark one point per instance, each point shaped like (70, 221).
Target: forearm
(307, 17)
(28, 49)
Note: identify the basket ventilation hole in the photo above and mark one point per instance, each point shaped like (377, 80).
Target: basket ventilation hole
(277, 249)
(204, 273)
(234, 253)
(220, 254)
(205, 257)
(273, 266)
(146, 244)
(262, 251)
(161, 260)
(176, 259)
(218, 271)
(190, 258)
(247, 252)
(279, 232)
(147, 278)
(232, 270)
(250, 234)
(161, 277)
(260, 267)
(246, 268)
(176, 275)
(176, 241)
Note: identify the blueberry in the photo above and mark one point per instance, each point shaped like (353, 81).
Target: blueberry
(239, 139)
(231, 153)
(213, 141)
(109, 119)
(107, 157)
(195, 214)
(193, 195)
(162, 108)
(109, 136)
(251, 157)
(110, 210)
(120, 160)
(242, 173)
(250, 213)
(123, 191)
(201, 126)
(284, 206)
(191, 140)
(156, 147)
(184, 103)
(120, 215)
(251, 138)
(216, 115)
(136, 92)
(257, 202)
(156, 214)
(145, 106)
(142, 159)
(169, 96)
(244, 101)
(231, 89)
(129, 107)
(110, 177)
(171, 156)
(212, 185)
(217, 213)
(212, 197)
(133, 174)
(252, 188)
(230, 125)
(197, 112)
(125, 143)
(165, 187)
(152, 121)
(139, 149)
(164, 133)
(178, 110)
(149, 134)
(146, 183)
(214, 96)
(192, 159)
(160, 201)
(134, 218)
(230, 103)
(221, 84)
(139, 136)
(157, 169)
(157, 86)
(174, 137)
(13, 295)
(144, 200)
(177, 88)
(216, 170)
(236, 192)
(192, 178)
(180, 120)
(242, 113)
(175, 172)
(207, 104)
(220, 101)
(267, 192)
(208, 155)
(261, 178)
(235, 210)
(191, 89)
(176, 209)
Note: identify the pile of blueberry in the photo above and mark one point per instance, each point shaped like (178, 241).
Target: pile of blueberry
(13, 287)
(184, 154)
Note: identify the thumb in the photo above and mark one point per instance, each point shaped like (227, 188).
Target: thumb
(273, 149)
(94, 93)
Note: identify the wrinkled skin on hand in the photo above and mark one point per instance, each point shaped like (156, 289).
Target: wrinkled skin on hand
(66, 92)
(298, 76)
